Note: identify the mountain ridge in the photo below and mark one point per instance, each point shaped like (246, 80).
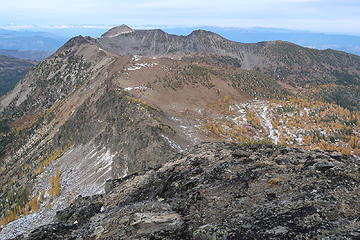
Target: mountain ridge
(207, 42)
(347, 43)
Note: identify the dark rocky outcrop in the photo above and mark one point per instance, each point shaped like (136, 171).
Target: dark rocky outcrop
(225, 191)
(80, 211)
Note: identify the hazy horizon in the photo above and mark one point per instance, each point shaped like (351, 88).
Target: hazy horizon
(44, 28)
(320, 16)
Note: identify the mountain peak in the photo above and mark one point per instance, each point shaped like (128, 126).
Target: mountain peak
(201, 32)
(119, 30)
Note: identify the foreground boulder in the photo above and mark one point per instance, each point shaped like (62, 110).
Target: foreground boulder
(223, 191)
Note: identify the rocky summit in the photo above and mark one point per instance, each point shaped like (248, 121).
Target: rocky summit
(105, 138)
(223, 191)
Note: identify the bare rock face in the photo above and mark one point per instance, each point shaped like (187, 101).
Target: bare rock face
(117, 31)
(224, 191)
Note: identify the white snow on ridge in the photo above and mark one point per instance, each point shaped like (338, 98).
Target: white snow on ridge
(138, 66)
(136, 58)
(133, 68)
(262, 110)
(172, 143)
(135, 88)
(120, 33)
(273, 134)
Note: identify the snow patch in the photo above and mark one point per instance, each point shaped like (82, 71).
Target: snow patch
(273, 134)
(135, 88)
(119, 34)
(138, 66)
(172, 143)
(136, 58)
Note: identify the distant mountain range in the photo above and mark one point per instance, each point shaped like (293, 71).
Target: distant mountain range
(349, 43)
(29, 40)
(32, 55)
(50, 39)
(12, 70)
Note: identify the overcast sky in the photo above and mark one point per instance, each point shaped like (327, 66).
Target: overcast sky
(340, 16)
